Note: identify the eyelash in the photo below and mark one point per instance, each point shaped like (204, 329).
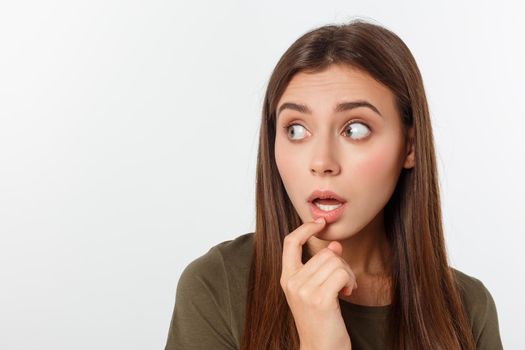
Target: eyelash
(346, 126)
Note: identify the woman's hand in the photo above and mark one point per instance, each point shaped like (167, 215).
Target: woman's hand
(312, 290)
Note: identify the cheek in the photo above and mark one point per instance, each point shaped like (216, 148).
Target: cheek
(284, 160)
(289, 164)
(378, 168)
(287, 158)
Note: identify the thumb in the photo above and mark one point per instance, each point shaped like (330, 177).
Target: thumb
(336, 247)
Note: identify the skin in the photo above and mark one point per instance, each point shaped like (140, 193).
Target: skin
(356, 153)
(311, 290)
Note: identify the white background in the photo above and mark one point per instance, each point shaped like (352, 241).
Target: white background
(128, 141)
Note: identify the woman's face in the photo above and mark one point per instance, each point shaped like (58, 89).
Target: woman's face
(357, 153)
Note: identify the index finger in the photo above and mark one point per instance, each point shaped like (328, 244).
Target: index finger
(293, 246)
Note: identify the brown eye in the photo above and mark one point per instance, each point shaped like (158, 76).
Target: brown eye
(359, 131)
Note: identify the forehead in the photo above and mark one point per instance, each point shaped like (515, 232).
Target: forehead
(337, 83)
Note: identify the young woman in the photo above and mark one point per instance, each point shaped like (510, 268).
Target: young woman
(345, 138)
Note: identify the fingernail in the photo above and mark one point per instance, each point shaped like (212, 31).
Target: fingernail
(319, 220)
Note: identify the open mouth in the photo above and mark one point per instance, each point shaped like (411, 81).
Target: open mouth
(327, 204)
(330, 212)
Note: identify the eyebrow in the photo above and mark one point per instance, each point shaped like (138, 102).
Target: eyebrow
(344, 106)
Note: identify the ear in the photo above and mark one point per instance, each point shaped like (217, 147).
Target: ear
(410, 156)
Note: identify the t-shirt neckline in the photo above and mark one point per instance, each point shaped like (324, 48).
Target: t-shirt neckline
(365, 309)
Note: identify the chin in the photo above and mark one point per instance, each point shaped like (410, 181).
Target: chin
(332, 232)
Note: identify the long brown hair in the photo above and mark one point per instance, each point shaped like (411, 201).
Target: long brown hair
(421, 277)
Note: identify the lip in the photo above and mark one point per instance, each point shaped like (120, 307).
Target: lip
(323, 194)
(329, 216)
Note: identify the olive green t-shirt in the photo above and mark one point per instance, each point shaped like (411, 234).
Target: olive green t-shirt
(211, 297)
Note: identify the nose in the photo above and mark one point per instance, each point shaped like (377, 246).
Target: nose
(324, 160)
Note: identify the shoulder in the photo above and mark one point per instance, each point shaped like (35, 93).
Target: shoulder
(480, 306)
(209, 299)
(469, 284)
(212, 291)
(219, 276)
(230, 256)
(473, 291)
(237, 251)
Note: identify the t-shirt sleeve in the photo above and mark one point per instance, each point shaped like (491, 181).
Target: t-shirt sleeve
(487, 335)
(202, 313)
